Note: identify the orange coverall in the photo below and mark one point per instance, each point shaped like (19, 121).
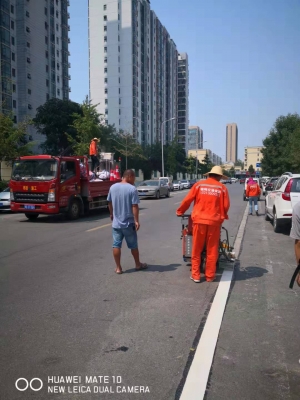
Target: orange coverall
(253, 190)
(93, 148)
(211, 205)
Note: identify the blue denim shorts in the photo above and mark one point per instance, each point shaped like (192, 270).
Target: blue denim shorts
(128, 233)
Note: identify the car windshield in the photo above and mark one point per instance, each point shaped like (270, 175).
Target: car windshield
(175, 182)
(36, 170)
(6, 190)
(149, 183)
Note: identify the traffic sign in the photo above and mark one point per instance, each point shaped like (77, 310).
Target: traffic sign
(258, 165)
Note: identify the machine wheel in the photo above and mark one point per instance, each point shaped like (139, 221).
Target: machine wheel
(168, 194)
(74, 210)
(31, 217)
(157, 196)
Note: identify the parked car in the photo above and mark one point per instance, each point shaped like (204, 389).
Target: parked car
(269, 185)
(242, 180)
(177, 185)
(192, 182)
(280, 202)
(246, 182)
(153, 188)
(5, 200)
(234, 180)
(186, 184)
(225, 181)
(169, 181)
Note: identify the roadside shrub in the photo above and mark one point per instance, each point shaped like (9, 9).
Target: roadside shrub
(3, 185)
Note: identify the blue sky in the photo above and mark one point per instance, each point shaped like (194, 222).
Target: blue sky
(244, 62)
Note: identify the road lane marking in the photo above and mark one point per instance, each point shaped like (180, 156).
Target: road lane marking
(196, 381)
(103, 226)
(177, 203)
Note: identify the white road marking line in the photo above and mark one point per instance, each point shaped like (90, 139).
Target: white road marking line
(196, 381)
(177, 203)
(102, 226)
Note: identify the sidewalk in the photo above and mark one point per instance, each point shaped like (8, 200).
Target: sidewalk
(258, 351)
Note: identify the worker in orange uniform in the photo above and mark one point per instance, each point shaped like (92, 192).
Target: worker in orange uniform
(94, 154)
(253, 193)
(211, 205)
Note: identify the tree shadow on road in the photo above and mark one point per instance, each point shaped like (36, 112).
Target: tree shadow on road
(155, 268)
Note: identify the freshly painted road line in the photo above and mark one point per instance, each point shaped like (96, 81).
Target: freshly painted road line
(196, 381)
(103, 226)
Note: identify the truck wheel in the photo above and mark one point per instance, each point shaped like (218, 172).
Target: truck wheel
(74, 210)
(31, 217)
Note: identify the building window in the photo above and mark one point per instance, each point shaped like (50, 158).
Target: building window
(105, 38)
(46, 11)
(27, 14)
(57, 27)
(57, 53)
(29, 107)
(118, 37)
(12, 24)
(47, 96)
(119, 111)
(13, 56)
(57, 66)
(119, 17)
(105, 91)
(104, 7)
(105, 49)
(105, 70)
(119, 101)
(105, 28)
(15, 119)
(56, 14)
(46, 25)
(14, 88)
(12, 40)
(29, 91)
(28, 60)
(13, 72)
(119, 49)
(57, 40)
(106, 121)
(46, 39)
(105, 17)
(14, 104)
(106, 101)
(46, 54)
(27, 29)
(106, 111)
(105, 59)
(119, 80)
(47, 82)
(58, 92)
(47, 68)
(105, 80)
(57, 78)
(28, 44)
(12, 9)
(119, 91)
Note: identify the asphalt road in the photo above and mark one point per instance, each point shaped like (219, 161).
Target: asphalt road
(64, 312)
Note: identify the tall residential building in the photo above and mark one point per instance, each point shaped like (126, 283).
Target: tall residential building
(253, 156)
(34, 56)
(183, 100)
(231, 142)
(194, 138)
(133, 69)
(202, 153)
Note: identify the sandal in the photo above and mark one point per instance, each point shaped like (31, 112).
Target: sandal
(118, 272)
(142, 266)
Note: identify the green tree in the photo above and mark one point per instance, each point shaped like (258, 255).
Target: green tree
(239, 163)
(190, 165)
(206, 165)
(87, 125)
(279, 153)
(175, 157)
(126, 146)
(55, 120)
(251, 170)
(13, 138)
(232, 172)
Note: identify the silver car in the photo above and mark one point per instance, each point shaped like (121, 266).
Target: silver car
(153, 188)
(5, 200)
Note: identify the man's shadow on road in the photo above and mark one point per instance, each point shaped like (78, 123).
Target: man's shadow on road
(250, 272)
(155, 268)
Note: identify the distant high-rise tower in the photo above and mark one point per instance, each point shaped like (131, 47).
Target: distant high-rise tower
(183, 100)
(231, 142)
(34, 38)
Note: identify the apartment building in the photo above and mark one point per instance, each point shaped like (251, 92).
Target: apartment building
(194, 138)
(183, 100)
(202, 153)
(133, 69)
(231, 142)
(253, 156)
(34, 56)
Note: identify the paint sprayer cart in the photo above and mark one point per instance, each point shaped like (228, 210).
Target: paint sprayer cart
(226, 253)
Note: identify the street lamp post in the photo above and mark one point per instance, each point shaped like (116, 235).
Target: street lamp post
(162, 145)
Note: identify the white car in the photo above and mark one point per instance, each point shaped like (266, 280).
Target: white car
(5, 200)
(280, 202)
(177, 185)
(186, 184)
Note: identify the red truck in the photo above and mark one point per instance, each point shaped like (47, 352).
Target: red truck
(51, 185)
